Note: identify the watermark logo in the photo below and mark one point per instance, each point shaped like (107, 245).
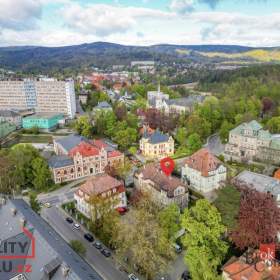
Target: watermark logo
(14, 251)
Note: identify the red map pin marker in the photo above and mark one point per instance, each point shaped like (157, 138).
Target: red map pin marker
(167, 165)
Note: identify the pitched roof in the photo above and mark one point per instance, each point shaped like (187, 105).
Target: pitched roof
(60, 161)
(103, 105)
(203, 161)
(85, 149)
(69, 142)
(186, 101)
(153, 172)
(253, 125)
(259, 182)
(156, 137)
(8, 114)
(99, 184)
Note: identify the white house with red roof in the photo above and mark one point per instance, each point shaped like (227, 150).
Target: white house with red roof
(77, 157)
(101, 185)
(203, 171)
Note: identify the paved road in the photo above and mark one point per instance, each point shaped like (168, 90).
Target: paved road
(215, 145)
(104, 266)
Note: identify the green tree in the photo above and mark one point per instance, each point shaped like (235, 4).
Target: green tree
(203, 240)
(181, 136)
(227, 202)
(34, 203)
(273, 125)
(125, 138)
(194, 143)
(78, 247)
(169, 220)
(41, 174)
(224, 131)
(199, 125)
(83, 126)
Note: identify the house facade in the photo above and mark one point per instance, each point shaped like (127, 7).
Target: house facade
(77, 157)
(103, 186)
(11, 117)
(249, 142)
(156, 145)
(162, 189)
(203, 171)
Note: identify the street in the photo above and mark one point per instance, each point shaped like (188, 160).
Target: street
(104, 266)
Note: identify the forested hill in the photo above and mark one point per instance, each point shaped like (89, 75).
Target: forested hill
(100, 54)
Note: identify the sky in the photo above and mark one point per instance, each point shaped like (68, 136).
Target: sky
(140, 22)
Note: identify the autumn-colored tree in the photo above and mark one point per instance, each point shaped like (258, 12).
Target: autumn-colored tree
(258, 219)
(120, 111)
(267, 104)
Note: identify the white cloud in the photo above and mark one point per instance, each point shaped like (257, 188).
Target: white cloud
(19, 15)
(182, 6)
(103, 20)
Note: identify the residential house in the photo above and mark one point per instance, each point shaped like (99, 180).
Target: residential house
(156, 145)
(250, 142)
(243, 269)
(6, 128)
(11, 117)
(203, 171)
(103, 106)
(103, 186)
(77, 157)
(259, 182)
(46, 255)
(161, 188)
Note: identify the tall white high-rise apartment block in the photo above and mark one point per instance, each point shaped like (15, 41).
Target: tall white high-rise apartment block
(42, 95)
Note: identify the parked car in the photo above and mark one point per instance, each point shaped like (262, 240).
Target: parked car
(106, 253)
(77, 226)
(88, 237)
(48, 205)
(178, 248)
(97, 245)
(69, 220)
(132, 277)
(186, 275)
(122, 210)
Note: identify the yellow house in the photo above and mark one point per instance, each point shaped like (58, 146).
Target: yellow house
(156, 145)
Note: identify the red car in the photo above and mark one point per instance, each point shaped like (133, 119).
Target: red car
(122, 210)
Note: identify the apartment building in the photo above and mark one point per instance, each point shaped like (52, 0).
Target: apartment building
(102, 186)
(249, 141)
(203, 171)
(161, 188)
(42, 95)
(156, 145)
(77, 157)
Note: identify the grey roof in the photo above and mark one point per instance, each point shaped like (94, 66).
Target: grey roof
(9, 114)
(71, 141)
(156, 137)
(103, 105)
(52, 253)
(259, 182)
(186, 101)
(60, 161)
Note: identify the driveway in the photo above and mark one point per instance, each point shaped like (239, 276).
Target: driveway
(215, 145)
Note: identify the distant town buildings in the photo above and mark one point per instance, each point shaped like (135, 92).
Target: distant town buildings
(156, 145)
(161, 188)
(100, 186)
(203, 171)
(77, 157)
(43, 121)
(53, 257)
(259, 182)
(160, 101)
(249, 142)
(42, 95)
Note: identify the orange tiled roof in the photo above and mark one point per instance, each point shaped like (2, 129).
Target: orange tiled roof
(85, 149)
(114, 153)
(277, 174)
(203, 161)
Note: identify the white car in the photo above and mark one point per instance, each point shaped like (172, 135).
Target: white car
(77, 226)
(132, 277)
(48, 205)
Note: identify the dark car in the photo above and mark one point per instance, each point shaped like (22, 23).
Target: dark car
(97, 245)
(106, 253)
(88, 237)
(186, 275)
(69, 220)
